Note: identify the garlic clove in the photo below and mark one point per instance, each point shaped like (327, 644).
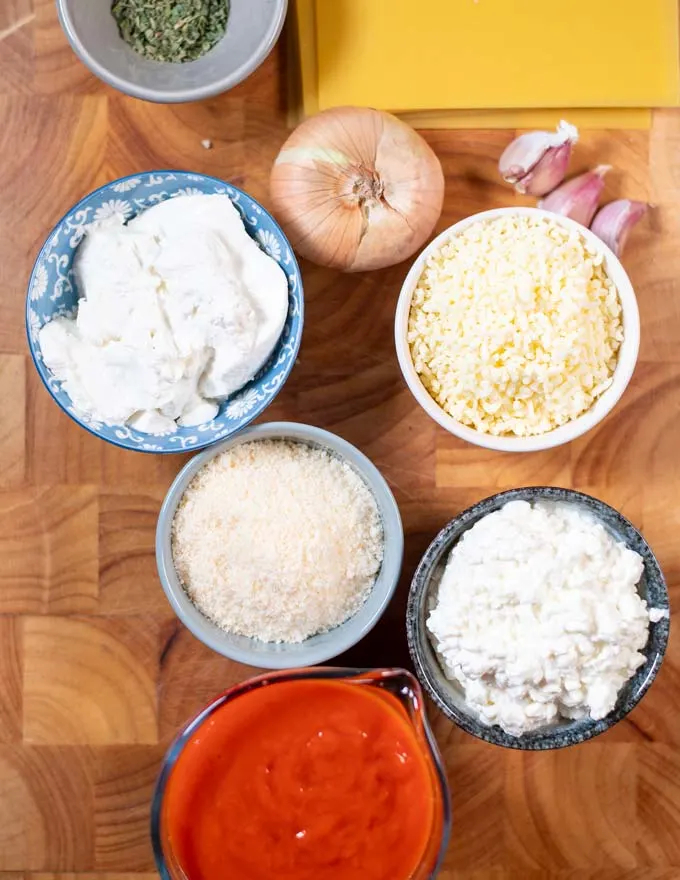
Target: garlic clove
(578, 197)
(536, 162)
(613, 222)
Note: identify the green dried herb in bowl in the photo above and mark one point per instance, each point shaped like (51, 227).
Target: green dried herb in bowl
(171, 30)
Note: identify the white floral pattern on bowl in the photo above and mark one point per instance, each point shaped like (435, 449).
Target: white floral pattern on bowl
(52, 292)
(127, 184)
(270, 243)
(111, 208)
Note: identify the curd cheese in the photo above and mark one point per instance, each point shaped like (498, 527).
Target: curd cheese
(178, 309)
(515, 326)
(538, 617)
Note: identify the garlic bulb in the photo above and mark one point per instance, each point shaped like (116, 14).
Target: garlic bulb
(536, 162)
(613, 222)
(578, 197)
(356, 189)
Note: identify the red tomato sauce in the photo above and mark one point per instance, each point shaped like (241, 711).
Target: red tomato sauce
(302, 780)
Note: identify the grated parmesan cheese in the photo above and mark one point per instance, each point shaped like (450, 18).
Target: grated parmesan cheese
(277, 540)
(515, 326)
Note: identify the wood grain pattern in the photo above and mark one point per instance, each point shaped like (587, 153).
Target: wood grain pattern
(90, 680)
(48, 547)
(96, 674)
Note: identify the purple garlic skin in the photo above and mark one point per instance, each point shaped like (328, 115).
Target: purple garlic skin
(577, 198)
(614, 222)
(536, 162)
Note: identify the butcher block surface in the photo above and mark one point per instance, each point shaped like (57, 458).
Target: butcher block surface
(97, 675)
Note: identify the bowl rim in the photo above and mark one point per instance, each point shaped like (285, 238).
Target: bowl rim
(42, 370)
(543, 739)
(174, 96)
(207, 632)
(625, 367)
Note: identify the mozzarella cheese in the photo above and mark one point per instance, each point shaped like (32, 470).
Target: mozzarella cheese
(514, 326)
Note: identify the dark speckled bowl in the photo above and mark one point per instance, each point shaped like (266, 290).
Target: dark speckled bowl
(451, 700)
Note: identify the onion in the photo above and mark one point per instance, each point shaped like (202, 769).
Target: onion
(356, 189)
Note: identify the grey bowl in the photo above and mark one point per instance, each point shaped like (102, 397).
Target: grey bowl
(253, 28)
(451, 699)
(316, 649)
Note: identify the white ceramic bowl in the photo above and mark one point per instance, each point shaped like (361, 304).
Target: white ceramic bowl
(624, 370)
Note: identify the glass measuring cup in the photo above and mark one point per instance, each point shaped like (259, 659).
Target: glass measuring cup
(396, 686)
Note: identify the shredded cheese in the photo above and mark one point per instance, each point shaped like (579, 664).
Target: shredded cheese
(515, 326)
(277, 540)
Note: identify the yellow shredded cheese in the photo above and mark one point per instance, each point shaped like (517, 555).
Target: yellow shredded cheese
(515, 326)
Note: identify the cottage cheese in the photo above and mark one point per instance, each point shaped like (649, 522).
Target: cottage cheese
(178, 309)
(515, 326)
(537, 616)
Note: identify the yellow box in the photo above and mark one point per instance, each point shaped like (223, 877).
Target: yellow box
(413, 55)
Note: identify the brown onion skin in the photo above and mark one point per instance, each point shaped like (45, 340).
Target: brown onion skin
(375, 208)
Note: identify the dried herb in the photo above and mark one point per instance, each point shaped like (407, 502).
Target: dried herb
(171, 30)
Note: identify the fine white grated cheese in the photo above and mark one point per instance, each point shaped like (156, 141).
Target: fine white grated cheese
(515, 326)
(277, 540)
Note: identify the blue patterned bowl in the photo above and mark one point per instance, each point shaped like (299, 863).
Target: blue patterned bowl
(52, 292)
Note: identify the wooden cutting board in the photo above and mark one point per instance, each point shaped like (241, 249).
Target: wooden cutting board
(96, 675)
(495, 54)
